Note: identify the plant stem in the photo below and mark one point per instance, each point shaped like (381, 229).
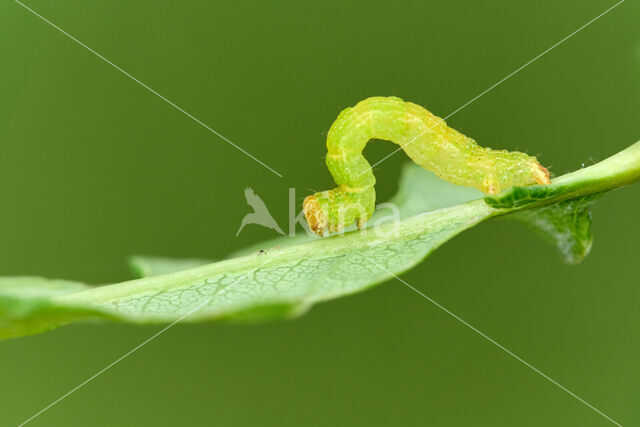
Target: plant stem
(616, 171)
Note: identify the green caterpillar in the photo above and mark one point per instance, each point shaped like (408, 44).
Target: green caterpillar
(426, 139)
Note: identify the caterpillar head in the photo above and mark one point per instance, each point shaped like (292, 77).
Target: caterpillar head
(540, 174)
(330, 211)
(507, 169)
(315, 215)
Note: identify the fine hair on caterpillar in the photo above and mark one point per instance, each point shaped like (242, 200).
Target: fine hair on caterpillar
(426, 139)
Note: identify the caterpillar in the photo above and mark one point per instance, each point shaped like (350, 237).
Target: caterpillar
(426, 139)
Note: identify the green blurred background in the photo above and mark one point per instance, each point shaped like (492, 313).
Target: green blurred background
(94, 168)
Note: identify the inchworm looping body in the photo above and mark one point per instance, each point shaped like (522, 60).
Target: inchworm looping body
(426, 139)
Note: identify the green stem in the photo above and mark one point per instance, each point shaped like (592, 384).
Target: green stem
(620, 169)
(616, 171)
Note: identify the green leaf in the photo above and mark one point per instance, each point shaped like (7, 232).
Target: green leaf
(292, 275)
(566, 225)
(146, 265)
(26, 306)
(285, 280)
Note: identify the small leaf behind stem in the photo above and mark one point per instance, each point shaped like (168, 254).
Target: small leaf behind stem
(566, 225)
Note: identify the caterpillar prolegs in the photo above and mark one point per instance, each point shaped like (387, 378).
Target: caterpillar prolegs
(426, 139)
